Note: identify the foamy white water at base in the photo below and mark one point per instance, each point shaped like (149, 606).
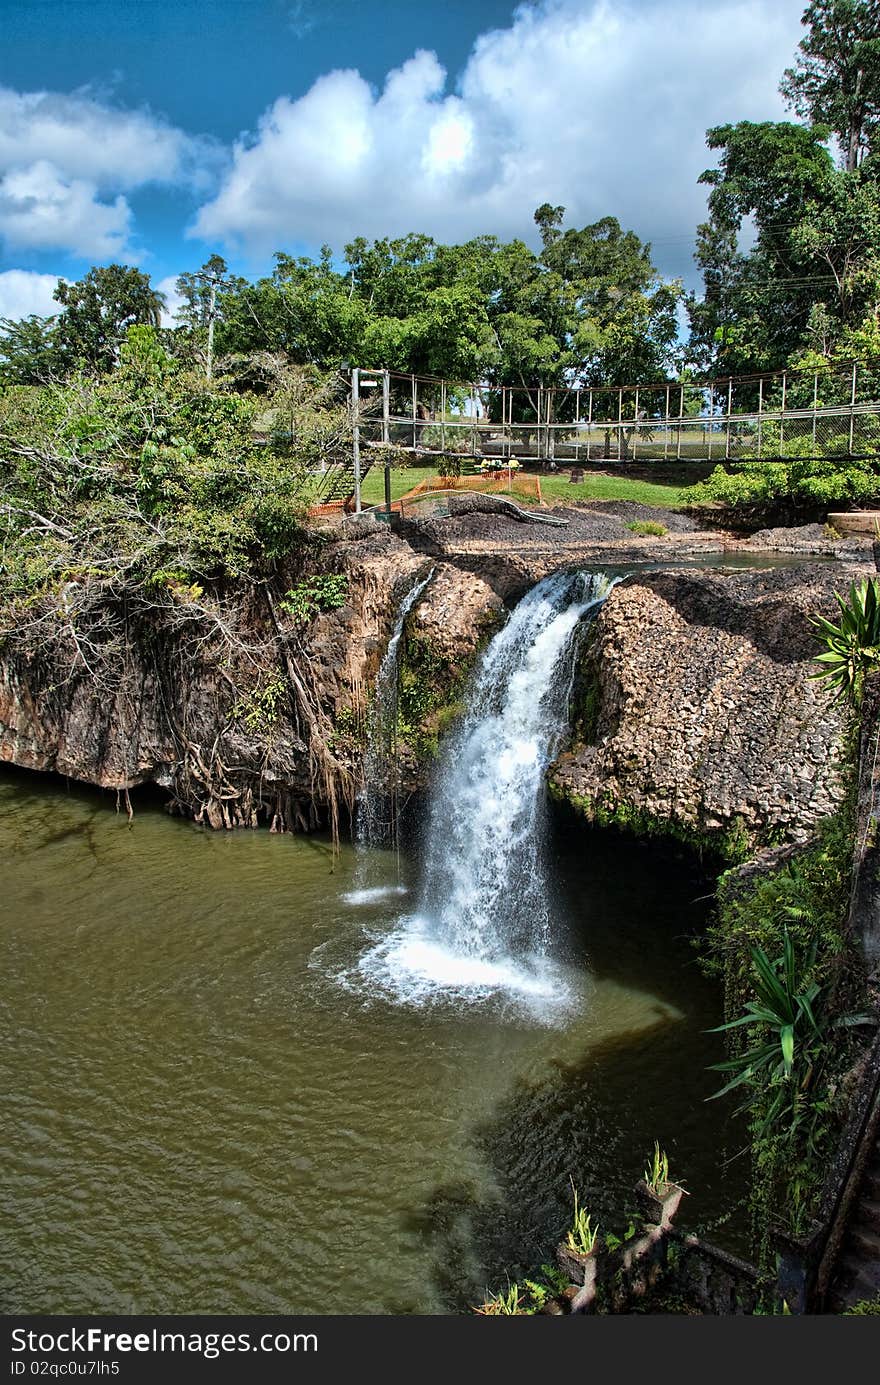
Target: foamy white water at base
(375, 894)
(483, 928)
(412, 967)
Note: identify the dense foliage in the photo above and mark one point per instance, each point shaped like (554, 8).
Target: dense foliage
(810, 281)
(588, 307)
(791, 987)
(790, 492)
(150, 476)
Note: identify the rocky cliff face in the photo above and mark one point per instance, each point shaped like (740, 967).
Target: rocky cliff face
(698, 715)
(243, 714)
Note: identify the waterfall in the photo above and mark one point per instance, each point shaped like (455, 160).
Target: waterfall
(483, 921)
(376, 809)
(485, 889)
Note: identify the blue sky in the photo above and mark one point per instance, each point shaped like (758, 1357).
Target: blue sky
(154, 132)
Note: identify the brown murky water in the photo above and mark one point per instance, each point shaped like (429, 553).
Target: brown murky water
(208, 1109)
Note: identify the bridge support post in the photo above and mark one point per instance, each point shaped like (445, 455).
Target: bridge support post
(852, 408)
(356, 436)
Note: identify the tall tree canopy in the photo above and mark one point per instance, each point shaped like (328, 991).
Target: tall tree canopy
(835, 80)
(589, 305)
(809, 282)
(100, 308)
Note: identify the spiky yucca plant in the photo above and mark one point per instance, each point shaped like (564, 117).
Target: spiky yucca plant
(852, 647)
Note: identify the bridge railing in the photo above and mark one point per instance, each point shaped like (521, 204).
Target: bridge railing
(828, 411)
(836, 430)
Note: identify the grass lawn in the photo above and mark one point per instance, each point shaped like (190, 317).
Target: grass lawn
(402, 480)
(596, 487)
(554, 489)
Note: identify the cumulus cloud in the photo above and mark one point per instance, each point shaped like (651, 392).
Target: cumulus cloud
(42, 210)
(88, 139)
(23, 292)
(66, 162)
(173, 300)
(589, 105)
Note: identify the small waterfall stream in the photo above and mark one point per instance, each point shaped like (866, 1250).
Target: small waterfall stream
(376, 819)
(377, 803)
(483, 921)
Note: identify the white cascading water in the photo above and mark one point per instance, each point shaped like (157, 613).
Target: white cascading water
(376, 809)
(483, 923)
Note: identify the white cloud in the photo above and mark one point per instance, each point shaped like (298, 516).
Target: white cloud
(301, 18)
(602, 107)
(41, 210)
(23, 292)
(173, 299)
(88, 139)
(66, 162)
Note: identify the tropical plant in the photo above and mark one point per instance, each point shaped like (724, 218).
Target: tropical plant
(852, 647)
(648, 528)
(865, 1308)
(541, 1290)
(656, 1175)
(326, 592)
(507, 1303)
(581, 1236)
(788, 1030)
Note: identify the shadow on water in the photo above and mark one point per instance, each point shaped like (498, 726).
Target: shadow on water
(635, 909)
(582, 1124)
(178, 1038)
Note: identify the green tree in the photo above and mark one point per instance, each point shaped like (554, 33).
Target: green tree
(780, 178)
(835, 80)
(194, 290)
(30, 353)
(590, 309)
(98, 311)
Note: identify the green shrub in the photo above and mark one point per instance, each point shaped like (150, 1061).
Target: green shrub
(789, 490)
(852, 647)
(648, 527)
(326, 592)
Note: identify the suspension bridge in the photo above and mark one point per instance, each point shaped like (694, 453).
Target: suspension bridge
(830, 412)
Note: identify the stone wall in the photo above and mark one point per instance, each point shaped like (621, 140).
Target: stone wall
(698, 714)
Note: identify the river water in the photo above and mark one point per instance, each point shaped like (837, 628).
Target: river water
(210, 1107)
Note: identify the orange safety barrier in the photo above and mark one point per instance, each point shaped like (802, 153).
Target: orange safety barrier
(489, 482)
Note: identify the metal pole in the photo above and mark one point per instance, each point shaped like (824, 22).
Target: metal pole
(474, 424)
(577, 419)
(443, 416)
(590, 426)
(211, 307)
(215, 282)
(666, 427)
(852, 406)
(414, 408)
(386, 406)
(729, 412)
(356, 436)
